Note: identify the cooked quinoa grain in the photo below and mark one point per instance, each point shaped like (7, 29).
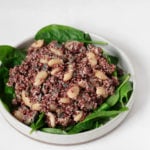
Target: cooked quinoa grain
(66, 82)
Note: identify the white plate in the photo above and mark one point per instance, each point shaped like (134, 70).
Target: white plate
(85, 136)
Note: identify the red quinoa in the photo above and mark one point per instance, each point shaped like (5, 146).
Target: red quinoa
(44, 86)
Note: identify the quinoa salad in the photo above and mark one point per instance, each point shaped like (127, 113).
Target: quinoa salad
(63, 83)
(66, 82)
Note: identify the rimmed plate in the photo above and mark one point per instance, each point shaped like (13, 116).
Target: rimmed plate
(85, 136)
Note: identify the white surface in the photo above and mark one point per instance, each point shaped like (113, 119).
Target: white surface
(85, 136)
(124, 22)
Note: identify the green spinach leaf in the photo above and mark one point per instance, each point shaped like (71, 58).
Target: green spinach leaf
(125, 92)
(5, 52)
(6, 94)
(39, 123)
(111, 59)
(112, 100)
(53, 130)
(63, 33)
(82, 126)
(19, 56)
(9, 57)
(88, 122)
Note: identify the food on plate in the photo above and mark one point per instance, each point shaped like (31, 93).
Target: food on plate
(63, 83)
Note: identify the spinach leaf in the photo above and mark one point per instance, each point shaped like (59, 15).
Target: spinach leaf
(112, 100)
(125, 79)
(5, 52)
(6, 93)
(53, 130)
(39, 123)
(82, 126)
(115, 74)
(87, 37)
(102, 114)
(19, 56)
(3, 76)
(63, 33)
(111, 59)
(88, 122)
(9, 57)
(60, 33)
(125, 92)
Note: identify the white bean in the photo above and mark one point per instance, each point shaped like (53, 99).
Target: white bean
(55, 71)
(18, 114)
(55, 61)
(40, 77)
(92, 58)
(100, 91)
(43, 61)
(73, 92)
(36, 106)
(27, 102)
(82, 84)
(38, 44)
(69, 73)
(26, 99)
(51, 119)
(65, 100)
(78, 116)
(99, 74)
(56, 51)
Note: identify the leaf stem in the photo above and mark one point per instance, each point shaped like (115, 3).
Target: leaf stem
(95, 42)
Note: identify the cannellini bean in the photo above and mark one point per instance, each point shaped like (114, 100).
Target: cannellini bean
(36, 106)
(18, 114)
(73, 92)
(55, 71)
(38, 44)
(23, 117)
(55, 61)
(73, 45)
(100, 91)
(56, 51)
(27, 102)
(78, 116)
(67, 76)
(69, 73)
(40, 77)
(51, 118)
(43, 61)
(82, 83)
(92, 58)
(99, 74)
(26, 99)
(65, 100)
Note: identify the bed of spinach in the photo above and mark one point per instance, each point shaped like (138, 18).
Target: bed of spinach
(113, 105)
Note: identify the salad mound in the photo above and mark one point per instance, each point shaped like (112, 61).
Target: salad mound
(66, 82)
(63, 83)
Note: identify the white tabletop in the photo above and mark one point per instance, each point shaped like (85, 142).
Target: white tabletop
(126, 23)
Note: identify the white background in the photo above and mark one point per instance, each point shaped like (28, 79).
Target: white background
(125, 23)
